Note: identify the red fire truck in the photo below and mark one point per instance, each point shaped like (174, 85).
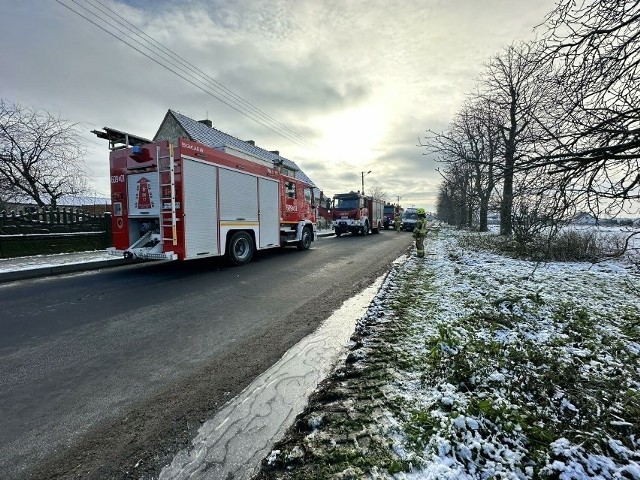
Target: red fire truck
(191, 201)
(390, 213)
(356, 213)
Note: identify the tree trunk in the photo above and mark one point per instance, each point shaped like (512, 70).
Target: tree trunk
(484, 213)
(506, 207)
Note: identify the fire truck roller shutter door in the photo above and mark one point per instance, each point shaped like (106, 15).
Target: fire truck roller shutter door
(238, 197)
(269, 213)
(201, 210)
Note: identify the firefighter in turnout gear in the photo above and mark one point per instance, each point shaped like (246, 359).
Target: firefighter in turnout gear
(420, 231)
(397, 222)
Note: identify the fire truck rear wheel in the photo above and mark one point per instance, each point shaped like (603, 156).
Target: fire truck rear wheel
(305, 241)
(241, 248)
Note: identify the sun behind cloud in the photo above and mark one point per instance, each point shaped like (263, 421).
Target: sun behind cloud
(352, 136)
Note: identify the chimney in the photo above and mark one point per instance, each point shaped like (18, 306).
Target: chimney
(277, 152)
(251, 142)
(206, 122)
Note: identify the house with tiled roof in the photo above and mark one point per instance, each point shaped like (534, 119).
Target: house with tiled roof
(176, 125)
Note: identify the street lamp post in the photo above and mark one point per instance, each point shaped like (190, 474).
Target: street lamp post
(363, 174)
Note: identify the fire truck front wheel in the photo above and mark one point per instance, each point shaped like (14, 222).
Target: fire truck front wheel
(305, 241)
(241, 248)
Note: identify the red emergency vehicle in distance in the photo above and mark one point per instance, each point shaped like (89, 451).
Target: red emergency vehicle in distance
(192, 201)
(390, 213)
(356, 213)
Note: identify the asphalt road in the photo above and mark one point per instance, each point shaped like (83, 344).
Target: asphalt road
(108, 374)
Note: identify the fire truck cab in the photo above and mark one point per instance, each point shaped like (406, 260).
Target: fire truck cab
(356, 213)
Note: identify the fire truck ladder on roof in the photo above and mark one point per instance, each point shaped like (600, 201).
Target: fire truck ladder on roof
(167, 181)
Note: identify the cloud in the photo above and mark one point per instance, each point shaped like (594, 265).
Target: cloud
(361, 80)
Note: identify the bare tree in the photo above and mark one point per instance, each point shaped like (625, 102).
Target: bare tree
(454, 204)
(568, 116)
(41, 156)
(541, 206)
(470, 148)
(595, 48)
(479, 128)
(515, 83)
(378, 192)
(445, 204)
(455, 199)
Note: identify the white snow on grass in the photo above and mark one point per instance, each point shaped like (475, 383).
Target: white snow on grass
(517, 370)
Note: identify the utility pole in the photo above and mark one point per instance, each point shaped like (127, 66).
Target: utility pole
(363, 174)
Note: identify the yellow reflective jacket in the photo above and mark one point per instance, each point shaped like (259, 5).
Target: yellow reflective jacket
(420, 229)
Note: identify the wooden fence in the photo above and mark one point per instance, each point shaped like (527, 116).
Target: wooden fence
(43, 231)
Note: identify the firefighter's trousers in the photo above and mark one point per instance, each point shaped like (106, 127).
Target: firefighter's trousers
(420, 245)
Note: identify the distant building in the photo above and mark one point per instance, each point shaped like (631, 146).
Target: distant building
(584, 218)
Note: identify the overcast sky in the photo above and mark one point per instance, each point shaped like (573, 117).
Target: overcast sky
(352, 85)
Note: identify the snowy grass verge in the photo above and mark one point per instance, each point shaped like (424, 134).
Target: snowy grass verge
(472, 365)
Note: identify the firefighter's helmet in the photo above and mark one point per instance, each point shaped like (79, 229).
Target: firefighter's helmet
(421, 212)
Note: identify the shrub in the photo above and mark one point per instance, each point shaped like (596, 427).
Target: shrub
(588, 245)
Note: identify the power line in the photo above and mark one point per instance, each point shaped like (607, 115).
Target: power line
(177, 71)
(206, 88)
(219, 86)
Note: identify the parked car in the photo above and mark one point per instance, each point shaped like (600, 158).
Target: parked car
(409, 218)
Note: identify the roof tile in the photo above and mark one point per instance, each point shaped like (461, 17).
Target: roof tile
(213, 137)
